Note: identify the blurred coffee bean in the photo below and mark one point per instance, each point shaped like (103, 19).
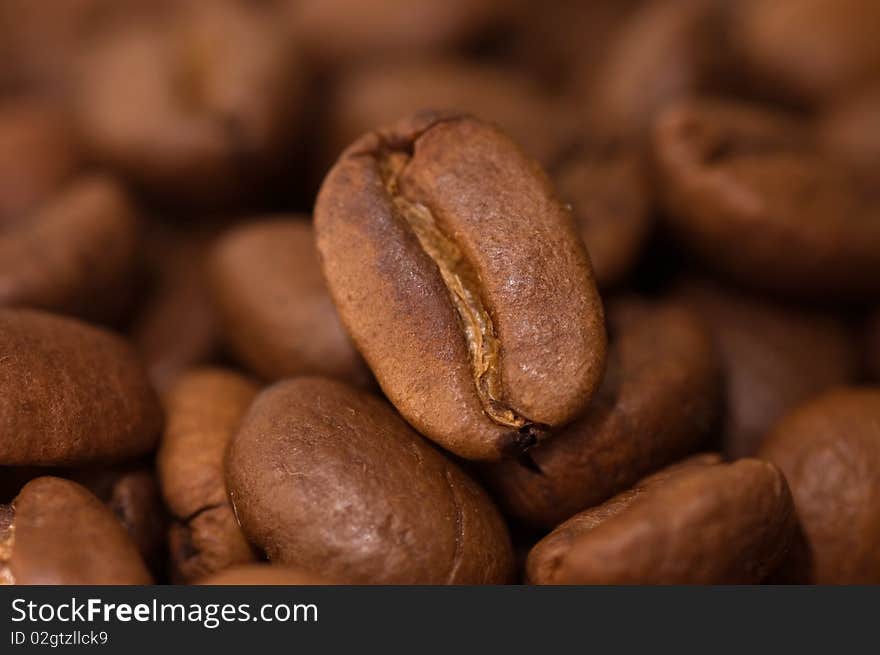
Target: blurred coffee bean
(850, 129)
(275, 312)
(199, 108)
(41, 41)
(665, 51)
(57, 532)
(76, 255)
(829, 450)
(700, 522)
(746, 189)
(775, 356)
(37, 155)
(809, 50)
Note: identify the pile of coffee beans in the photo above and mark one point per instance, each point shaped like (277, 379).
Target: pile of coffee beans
(440, 292)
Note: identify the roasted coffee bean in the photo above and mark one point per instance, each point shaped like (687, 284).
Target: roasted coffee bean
(605, 183)
(698, 523)
(666, 50)
(745, 189)
(76, 255)
(809, 50)
(275, 312)
(204, 409)
(829, 450)
(42, 42)
(340, 32)
(774, 356)
(463, 282)
(57, 532)
(37, 156)
(198, 109)
(331, 479)
(657, 402)
(132, 493)
(381, 93)
(70, 394)
(263, 574)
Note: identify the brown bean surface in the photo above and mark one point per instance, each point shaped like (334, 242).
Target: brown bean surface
(57, 532)
(463, 282)
(330, 479)
(808, 50)
(774, 355)
(37, 156)
(204, 409)
(829, 450)
(698, 523)
(658, 401)
(76, 255)
(71, 394)
(745, 188)
(665, 50)
(275, 312)
(195, 108)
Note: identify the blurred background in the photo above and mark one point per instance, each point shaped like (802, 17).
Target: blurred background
(208, 114)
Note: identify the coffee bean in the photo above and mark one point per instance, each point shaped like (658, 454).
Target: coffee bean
(463, 282)
(57, 532)
(37, 156)
(196, 108)
(204, 409)
(808, 50)
(666, 50)
(275, 312)
(76, 255)
(775, 356)
(746, 190)
(70, 394)
(702, 522)
(658, 401)
(850, 129)
(829, 450)
(330, 479)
